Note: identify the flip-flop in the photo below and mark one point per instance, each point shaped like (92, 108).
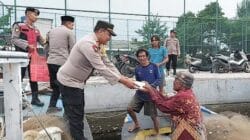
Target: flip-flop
(133, 130)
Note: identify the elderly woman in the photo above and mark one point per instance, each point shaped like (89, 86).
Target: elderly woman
(183, 108)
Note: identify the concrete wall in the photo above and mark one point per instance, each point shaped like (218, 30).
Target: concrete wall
(209, 89)
(222, 88)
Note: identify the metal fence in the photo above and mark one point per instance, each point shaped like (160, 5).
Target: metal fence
(208, 35)
(196, 35)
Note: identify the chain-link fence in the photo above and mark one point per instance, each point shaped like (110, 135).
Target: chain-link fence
(196, 34)
(201, 35)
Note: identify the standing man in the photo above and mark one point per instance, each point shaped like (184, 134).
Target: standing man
(86, 56)
(184, 108)
(60, 42)
(150, 73)
(25, 37)
(173, 46)
(159, 56)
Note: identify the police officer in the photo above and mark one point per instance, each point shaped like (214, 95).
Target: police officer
(173, 46)
(85, 56)
(25, 37)
(60, 42)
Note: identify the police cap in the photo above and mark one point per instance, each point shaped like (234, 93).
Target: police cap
(105, 25)
(67, 18)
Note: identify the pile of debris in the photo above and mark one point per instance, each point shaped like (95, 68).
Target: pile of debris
(32, 126)
(228, 126)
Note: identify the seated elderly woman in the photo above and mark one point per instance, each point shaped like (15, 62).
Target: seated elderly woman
(183, 108)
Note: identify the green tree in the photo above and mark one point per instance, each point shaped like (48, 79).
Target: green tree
(5, 31)
(200, 35)
(210, 11)
(213, 31)
(241, 33)
(151, 27)
(243, 9)
(4, 23)
(188, 22)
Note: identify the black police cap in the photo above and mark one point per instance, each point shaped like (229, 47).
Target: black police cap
(173, 31)
(32, 9)
(105, 25)
(67, 18)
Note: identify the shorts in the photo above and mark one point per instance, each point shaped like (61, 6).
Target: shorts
(149, 107)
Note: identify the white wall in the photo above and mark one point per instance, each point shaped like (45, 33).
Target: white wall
(209, 89)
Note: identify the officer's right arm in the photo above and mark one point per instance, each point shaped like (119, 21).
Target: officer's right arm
(71, 39)
(46, 46)
(15, 38)
(92, 54)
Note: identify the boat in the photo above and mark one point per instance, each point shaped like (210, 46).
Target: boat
(147, 131)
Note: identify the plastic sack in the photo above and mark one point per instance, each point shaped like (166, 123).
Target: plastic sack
(38, 68)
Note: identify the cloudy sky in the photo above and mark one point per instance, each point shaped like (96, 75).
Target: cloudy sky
(85, 23)
(162, 7)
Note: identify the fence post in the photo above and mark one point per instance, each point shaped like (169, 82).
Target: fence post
(55, 20)
(128, 34)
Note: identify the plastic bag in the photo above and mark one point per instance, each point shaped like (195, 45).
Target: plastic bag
(38, 68)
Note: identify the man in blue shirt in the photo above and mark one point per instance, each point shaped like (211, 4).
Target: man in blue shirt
(159, 56)
(150, 73)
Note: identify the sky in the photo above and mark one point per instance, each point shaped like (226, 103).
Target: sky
(161, 7)
(125, 29)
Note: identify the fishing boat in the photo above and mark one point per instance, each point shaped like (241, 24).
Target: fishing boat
(147, 132)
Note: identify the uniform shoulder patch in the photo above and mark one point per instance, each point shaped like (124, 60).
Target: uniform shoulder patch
(17, 30)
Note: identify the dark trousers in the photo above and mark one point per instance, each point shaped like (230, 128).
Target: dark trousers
(172, 61)
(73, 103)
(33, 85)
(53, 69)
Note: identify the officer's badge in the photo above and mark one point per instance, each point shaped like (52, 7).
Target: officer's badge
(96, 48)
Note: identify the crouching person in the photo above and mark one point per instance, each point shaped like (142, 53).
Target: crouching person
(183, 108)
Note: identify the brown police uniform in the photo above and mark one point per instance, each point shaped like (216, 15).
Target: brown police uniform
(23, 35)
(60, 42)
(19, 39)
(85, 56)
(173, 46)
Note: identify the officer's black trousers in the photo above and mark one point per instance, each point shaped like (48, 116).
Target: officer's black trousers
(73, 103)
(33, 85)
(53, 69)
(172, 59)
